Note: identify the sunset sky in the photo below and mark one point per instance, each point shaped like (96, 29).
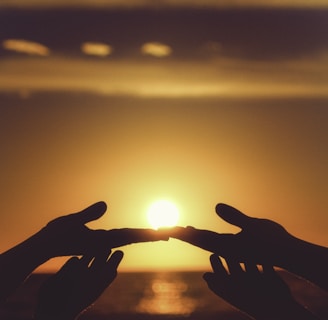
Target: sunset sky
(196, 102)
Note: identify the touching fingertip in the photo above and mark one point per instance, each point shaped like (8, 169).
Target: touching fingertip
(119, 254)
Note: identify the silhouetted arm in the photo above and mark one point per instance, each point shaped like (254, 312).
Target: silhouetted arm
(76, 286)
(64, 236)
(261, 294)
(264, 242)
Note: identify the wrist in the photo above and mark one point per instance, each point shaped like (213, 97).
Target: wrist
(308, 261)
(38, 248)
(31, 250)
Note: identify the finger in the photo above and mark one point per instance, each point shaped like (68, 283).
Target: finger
(251, 268)
(121, 237)
(115, 259)
(212, 280)
(232, 215)
(217, 265)
(90, 213)
(100, 260)
(204, 239)
(208, 276)
(235, 268)
(69, 265)
(268, 269)
(67, 274)
(86, 260)
(219, 276)
(110, 272)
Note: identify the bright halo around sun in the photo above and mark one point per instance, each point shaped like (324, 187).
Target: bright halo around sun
(163, 213)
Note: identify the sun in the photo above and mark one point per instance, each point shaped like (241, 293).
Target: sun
(162, 213)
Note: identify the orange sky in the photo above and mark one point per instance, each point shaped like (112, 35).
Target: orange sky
(213, 120)
(267, 158)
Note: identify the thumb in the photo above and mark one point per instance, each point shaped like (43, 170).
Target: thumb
(232, 215)
(208, 277)
(93, 212)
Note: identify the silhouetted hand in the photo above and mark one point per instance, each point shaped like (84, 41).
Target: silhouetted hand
(77, 285)
(66, 235)
(263, 242)
(261, 294)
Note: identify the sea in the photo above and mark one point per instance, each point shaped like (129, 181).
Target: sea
(158, 296)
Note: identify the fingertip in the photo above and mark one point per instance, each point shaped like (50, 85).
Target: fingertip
(222, 208)
(117, 257)
(93, 212)
(101, 206)
(206, 276)
(164, 233)
(171, 232)
(214, 259)
(119, 254)
(231, 215)
(218, 207)
(177, 229)
(211, 279)
(70, 263)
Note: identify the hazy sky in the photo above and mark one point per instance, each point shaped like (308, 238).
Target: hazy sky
(194, 105)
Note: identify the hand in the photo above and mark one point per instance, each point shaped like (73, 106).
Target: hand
(263, 295)
(254, 292)
(68, 235)
(77, 285)
(263, 242)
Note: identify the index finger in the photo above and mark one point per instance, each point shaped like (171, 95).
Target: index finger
(204, 239)
(125, 236)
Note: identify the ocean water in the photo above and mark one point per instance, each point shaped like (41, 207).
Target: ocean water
(156, 296)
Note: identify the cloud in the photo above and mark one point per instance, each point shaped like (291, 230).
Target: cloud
(219, 77)
(190, 34)
(96, 49)
(156, 49)
(25, 46)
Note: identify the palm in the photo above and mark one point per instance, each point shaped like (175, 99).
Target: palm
(68, 235)
(76, 286)
(262, 241)
(256, 293)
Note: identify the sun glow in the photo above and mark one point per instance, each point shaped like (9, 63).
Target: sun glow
(162, 213)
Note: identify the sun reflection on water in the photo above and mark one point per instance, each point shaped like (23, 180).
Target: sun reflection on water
(166, 296)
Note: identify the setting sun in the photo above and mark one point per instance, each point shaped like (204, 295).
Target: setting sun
(162, 213)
